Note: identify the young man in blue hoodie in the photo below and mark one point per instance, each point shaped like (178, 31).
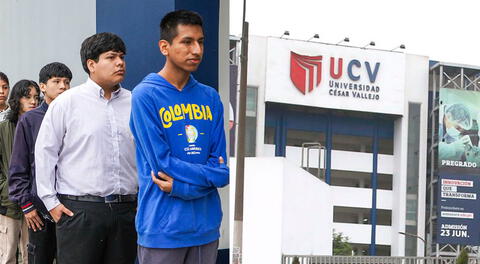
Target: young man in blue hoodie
(178, 128)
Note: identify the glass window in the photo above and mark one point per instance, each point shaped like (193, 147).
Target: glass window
(384, 217)
(384, 181)
(251, 106)
(360, 249)
(383, 250)
(298, 137)
(250, 136)
(251, 121)
(354, 215)
(269, 135)
(360, 179)
(412, 178)
(351, 215)
(352, 143)
(363, 249)
(385, 146)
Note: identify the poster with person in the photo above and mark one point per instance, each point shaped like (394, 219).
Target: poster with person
(458, 143)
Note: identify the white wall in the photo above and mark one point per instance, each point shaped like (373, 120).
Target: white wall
(35, 33)
(307, 213)
(286, 210)
(362, 197)
(416, 76)
(256, 77)
(399, 186)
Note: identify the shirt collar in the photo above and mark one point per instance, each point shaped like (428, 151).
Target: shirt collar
(93, 86)
(44, 106)
(6, 109)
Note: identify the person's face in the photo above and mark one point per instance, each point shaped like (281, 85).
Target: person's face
(186, 50)
(54, 87)
(109, 70)
(3, 92)
(29, 102)
(448, 124)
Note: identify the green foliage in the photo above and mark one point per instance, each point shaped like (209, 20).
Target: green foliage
(463, 257)
(341, 245)
(296, 260)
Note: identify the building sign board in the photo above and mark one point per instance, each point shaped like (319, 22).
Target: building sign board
(337, 77)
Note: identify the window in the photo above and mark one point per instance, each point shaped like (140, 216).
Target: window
(352, 143)
(269, 135)
(251, 122)
(360, 179)
(354, 215)
(363, 249)
(298, 137)
(412, 178)
(385, 146)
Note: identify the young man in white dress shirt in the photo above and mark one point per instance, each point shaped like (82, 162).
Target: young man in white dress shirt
(85, 161)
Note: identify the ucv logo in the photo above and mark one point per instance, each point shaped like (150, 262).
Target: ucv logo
(305, 71)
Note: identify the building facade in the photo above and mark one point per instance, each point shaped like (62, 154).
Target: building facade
(364, 114)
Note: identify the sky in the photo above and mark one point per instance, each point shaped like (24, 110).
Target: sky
(446, 31)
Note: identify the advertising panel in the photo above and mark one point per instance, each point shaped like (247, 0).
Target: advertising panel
(458, 144)
(338, 77)
(459, 167)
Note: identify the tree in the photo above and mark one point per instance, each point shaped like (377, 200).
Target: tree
(463, 257)
(341, 245)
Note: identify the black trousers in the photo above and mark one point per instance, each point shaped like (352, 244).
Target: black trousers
(97, 233)
(42, 245)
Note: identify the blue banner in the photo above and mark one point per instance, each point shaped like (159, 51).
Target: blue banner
(458, 207)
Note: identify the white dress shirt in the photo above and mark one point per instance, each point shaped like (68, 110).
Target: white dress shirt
(4, 113)
(84, 146)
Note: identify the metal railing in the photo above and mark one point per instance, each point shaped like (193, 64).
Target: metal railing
(306, 147)
(292, 259)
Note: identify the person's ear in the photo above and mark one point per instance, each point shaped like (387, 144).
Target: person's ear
(91, 65)
(163, 45)
(43, 87)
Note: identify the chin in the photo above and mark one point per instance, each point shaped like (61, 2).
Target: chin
(190, 69)
(117, 81)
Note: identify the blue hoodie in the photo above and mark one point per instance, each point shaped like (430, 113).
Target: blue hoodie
(180, 133)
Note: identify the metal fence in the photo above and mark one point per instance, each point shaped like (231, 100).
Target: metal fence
(290, 259)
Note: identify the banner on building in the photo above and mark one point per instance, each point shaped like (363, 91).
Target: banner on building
(458, 143)
(458, 219)
(459, 168)
(337, 77)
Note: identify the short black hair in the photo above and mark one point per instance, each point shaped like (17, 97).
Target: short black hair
(169, 23)
(4, 78)
(54, 69)
(99, 43)
(19, 90)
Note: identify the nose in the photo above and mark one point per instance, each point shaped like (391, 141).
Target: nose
(197, 48)
(120, 61)
(62, 86)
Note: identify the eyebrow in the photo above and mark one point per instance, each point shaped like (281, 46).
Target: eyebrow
(111, 52)
(191, 38)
